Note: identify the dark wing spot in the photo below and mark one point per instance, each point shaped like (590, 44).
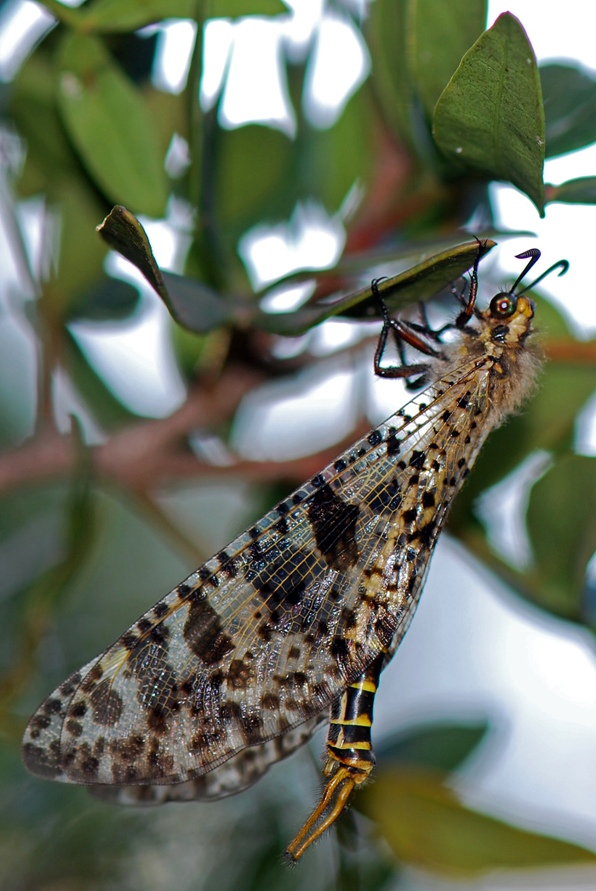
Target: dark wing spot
(385, 497)
(334, 525)
(240, 674)
(417, 460)
(106, 704)
(203, 633)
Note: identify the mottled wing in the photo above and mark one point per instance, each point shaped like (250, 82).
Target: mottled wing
(269, 632)
(236, 774)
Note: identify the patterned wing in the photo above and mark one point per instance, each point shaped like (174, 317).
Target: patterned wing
(270, 631)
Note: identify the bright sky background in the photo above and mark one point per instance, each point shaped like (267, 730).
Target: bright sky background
(472, 645)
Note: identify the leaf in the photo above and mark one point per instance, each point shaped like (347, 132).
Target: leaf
(562, 528)
(128, 15)
(254, 177)
(442, 746)
(233, 8)
(110, 299)
(569, 107)
(33, 107)
(440, 34)
(419, 282)
(108, 122)
(489, 117)
(575, 191)
(427, 827)
(388, 35)
(123, 232)
(193, 304)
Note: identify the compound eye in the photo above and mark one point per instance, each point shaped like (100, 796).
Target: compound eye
(502, 306)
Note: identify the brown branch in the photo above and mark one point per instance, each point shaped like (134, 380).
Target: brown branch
(148, 455)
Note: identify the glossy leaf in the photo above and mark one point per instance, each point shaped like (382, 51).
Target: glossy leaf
(108, 123)
(429, 828)
(441, 33)
(419, 282)
(562, 529)
(575, 191)
(489, 117)
(570, 125)
(442, 746)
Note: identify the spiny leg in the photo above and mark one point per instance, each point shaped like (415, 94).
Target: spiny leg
(350, 758)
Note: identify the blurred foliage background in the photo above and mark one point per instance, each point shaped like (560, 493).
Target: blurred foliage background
(105, 505)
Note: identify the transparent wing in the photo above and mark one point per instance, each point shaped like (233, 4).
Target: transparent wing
(268, 633)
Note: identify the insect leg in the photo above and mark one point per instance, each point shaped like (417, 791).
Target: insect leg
(402, 333)
(350, 758)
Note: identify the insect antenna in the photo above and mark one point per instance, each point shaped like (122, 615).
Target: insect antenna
(562, 265)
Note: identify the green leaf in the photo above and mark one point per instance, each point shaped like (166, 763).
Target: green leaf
(231, 9)
(575, 191)
(419, 282)
(254, 176)
(128, 15)
(569, 108)
(489, 117)
(108, 122)
(193, 304)
(33, 107)
(110, 299)
(388, 35)
(123, 232)
(427, 827)
(440, 35)
(562, 528)
(442, 746)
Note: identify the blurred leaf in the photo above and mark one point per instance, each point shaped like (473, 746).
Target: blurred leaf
(562, 528)
(489, 117)
(420, 282)
(330, 161)
(194, 305)
(107, 409)
(109, 124)
(234, 8)
(81, 253)
(33, 107)
(569, 107)
(110, 299)
(574, 191)
(128, 15)
(442, 746)
(388, 32)
(440, 35)
(428, 828)
(254, 177)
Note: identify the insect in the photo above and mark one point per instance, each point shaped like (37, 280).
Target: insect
(292, 624)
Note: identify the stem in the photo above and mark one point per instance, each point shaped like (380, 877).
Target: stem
(69, 17)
